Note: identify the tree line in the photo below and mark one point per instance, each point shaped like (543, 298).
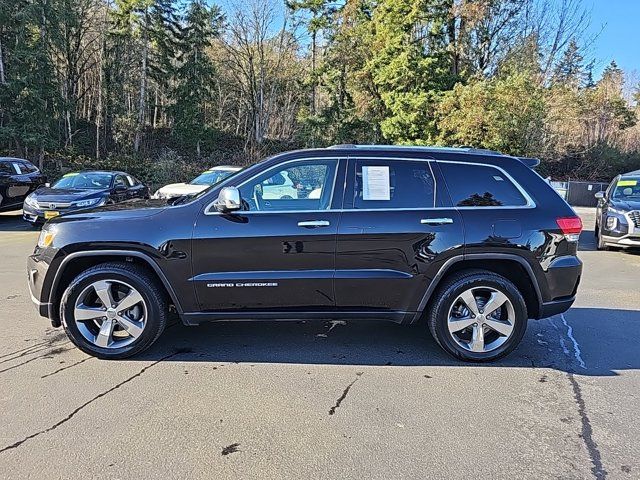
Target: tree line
(164, 87)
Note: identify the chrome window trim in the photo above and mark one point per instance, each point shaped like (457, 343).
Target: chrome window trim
(530, 202)
(207, 210)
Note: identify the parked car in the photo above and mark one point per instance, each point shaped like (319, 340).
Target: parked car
(198, 184)
(471, 242)
(81, 191)
(18, 178)
(618, 213)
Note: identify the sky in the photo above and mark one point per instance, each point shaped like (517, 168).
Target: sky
(617, 26)
(613, 32)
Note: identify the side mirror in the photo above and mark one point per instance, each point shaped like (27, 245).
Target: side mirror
(229, 200)
(599, 195)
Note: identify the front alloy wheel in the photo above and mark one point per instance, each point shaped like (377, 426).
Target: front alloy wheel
(114, 310)
(110, 313)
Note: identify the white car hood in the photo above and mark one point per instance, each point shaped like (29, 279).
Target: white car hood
(178, 189)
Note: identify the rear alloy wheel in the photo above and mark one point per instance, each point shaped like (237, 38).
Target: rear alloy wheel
(113, 311)
(478, 316)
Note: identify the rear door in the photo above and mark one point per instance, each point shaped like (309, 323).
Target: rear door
(395, 233)
(277, 255)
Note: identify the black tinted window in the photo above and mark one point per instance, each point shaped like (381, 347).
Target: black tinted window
(393, 184)
(480, 186)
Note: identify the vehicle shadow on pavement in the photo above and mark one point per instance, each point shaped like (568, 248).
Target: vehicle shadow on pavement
(13, 222)
(587, 241)
(584, 341)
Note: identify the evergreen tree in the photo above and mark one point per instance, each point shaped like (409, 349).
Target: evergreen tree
(570, 69)
(194, 74)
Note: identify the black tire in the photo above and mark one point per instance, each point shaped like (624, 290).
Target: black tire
(446, 295)
(600, 245)
(146, 284)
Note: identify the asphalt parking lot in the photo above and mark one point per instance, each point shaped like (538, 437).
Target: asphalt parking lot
(325, 400)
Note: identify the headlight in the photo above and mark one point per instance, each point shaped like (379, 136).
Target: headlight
(31, 202)
(612, 222)
(88, 203)
(46, 237)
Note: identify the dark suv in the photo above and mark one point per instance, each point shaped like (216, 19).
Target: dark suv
(470, 241)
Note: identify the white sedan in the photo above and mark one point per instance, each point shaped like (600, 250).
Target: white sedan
(198, 184)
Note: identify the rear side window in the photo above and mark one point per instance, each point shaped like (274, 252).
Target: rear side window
(382, 184)
(6, 168)
(480, 186)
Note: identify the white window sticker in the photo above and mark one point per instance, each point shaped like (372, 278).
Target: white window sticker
(375, 183)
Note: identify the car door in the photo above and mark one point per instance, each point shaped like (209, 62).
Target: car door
(394, 234)
(136, 189)
(276, 255)
(19, 184)
(120, 190)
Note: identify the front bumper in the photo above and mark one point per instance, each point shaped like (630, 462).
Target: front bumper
(38, 216)
(625, 233)
(36, 277)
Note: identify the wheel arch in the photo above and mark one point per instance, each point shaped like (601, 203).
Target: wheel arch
(512, 267)
(76, 262)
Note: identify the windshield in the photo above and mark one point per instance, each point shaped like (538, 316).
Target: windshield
(211, 177)
(627, 188)
(85, 181)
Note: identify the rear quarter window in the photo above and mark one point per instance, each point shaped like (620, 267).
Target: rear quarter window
(473, 185)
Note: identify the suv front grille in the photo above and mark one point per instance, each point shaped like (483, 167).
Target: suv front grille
(635, 217)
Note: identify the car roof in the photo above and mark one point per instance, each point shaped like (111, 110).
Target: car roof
(13, 159)
(468, 154)
(107, 172)
(635, 173)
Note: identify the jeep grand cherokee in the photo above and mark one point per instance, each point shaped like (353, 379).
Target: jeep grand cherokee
(470, 242)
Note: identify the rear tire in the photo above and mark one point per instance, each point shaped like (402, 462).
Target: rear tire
(469, 332)
(131, 324)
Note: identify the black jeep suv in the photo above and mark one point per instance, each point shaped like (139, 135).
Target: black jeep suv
(470, 241)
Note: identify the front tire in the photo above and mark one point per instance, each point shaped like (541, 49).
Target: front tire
(114, 310)
(600, 245)
(478, 316)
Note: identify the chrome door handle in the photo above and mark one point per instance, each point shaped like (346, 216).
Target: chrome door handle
(314, 223)
(436, 221)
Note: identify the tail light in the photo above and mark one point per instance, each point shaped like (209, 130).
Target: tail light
(571, 227)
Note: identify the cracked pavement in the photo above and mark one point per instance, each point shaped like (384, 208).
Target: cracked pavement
(325, 400)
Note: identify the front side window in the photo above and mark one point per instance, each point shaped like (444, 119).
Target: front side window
(120, 181)
(396, 184)
(473, 185)
(304, 185)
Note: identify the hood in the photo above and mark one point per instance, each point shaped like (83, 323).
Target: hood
(627, 205)
(65, 195)
(179, 189)
(137, 208)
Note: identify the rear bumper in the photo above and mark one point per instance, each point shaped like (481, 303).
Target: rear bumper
(556, 307)
(563, 277)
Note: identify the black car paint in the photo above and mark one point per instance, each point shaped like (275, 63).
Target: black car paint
(16, 186)
(364, 265)
(66, 196)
